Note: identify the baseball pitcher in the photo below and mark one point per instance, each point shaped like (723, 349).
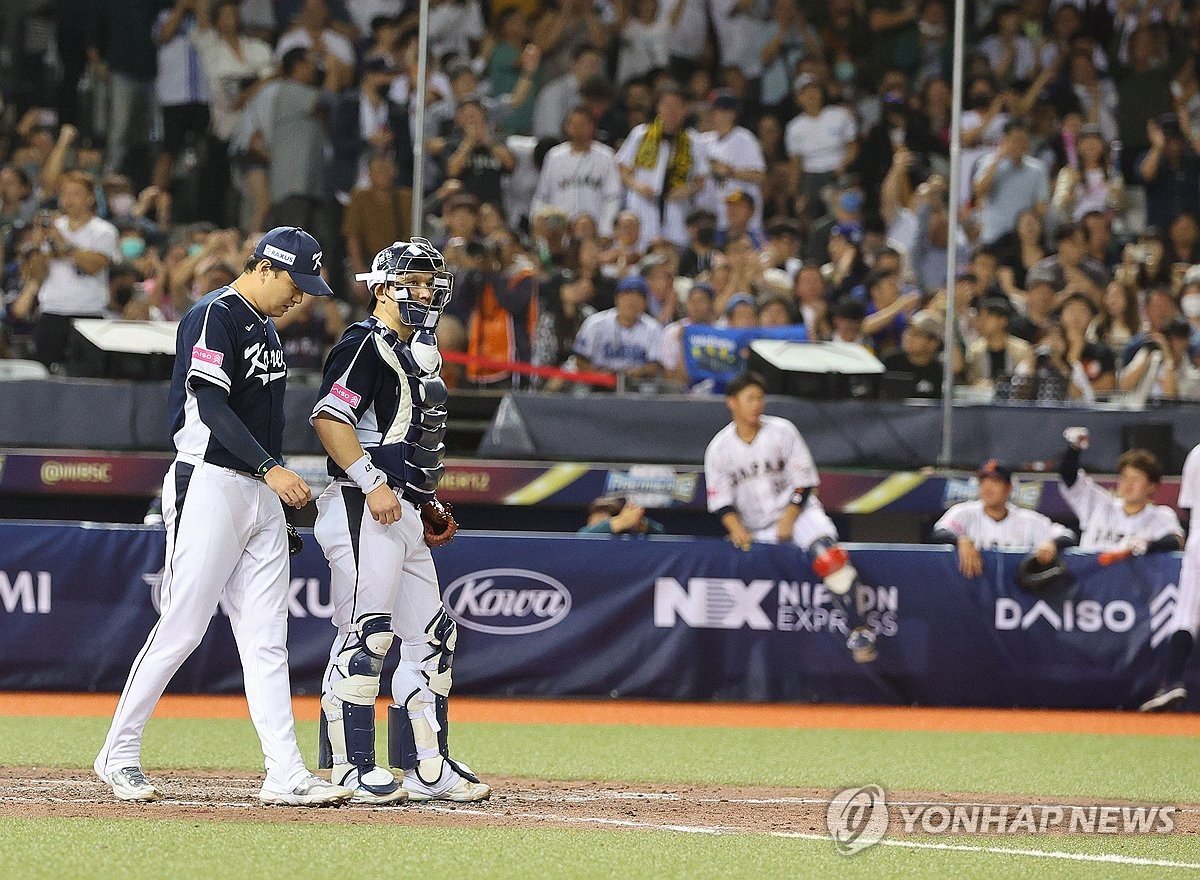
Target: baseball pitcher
(226, 532)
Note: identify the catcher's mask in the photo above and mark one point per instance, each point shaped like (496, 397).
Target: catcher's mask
(406, 267)
(1052, 581)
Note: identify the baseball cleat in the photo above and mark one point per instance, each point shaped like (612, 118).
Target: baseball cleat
(377, 786)
(1168, 696)
(311, 792)
(449, 787)
(861, 643)
(130, 784)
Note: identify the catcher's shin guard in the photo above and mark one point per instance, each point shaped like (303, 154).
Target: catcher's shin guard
(348, 703)
(417, 722)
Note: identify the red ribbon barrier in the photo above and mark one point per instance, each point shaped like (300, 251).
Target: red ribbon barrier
(598, 380)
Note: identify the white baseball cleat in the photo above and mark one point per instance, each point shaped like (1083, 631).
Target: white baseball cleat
(450, 786)
(130, 784)
(311, 792)
(377, 786)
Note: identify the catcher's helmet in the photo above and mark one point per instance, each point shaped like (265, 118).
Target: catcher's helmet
(1053, 580)
(403, 265)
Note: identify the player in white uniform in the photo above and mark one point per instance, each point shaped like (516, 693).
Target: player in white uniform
(761, 480)
(231, 539)
(381, 416)
(1127, 523)
(1186, 619)
(995, 523)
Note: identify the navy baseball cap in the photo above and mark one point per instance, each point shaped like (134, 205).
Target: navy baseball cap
(993, 468)
(633, 284)
(296, 252)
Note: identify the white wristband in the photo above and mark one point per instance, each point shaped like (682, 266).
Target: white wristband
(365, 475)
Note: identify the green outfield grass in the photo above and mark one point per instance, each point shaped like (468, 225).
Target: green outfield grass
(1152, 769)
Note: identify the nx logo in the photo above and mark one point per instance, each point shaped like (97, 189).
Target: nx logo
(712, 603)
(22, 593)
(1162, 609)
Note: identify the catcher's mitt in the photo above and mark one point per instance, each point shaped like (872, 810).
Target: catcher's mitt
(1053, 580)
(295, 542)
(440, 524)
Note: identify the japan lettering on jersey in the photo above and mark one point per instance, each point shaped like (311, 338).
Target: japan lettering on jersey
(1103, 523)
(224, 341)
(757, 479)
(1020, 529)
(373, 382)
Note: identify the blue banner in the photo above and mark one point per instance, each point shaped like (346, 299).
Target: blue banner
(664, 618)
(718, 354)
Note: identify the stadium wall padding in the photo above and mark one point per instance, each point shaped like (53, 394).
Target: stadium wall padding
(671, 618)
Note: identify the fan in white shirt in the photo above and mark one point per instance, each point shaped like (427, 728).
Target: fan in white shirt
(995, 523)
(735, 159)
(581, 175)
(761, 479)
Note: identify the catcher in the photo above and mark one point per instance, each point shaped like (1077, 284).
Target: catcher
(381, 416)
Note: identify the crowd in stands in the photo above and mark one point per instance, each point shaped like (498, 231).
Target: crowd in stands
(605, 175)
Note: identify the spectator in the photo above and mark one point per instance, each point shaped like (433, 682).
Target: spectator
(181, 87)
(1089, 185)
(735, 160)
(378, 214)
(559, 96)
(1162, 369)
(78, 247)
(663, 168)
(475, 157)
(737, 25)
(121, 53)
(1170, 170)
(846, 317)
(996, 354)
(1159, 310)
(782, 247)
(847, 268)
(1119, 319)
(364, 122)
(1010, 54)
(503, 303)
(641, 39)
(504, 69)
(1144, 84)
(1071, 269)
(307, 331)
(1096, 359)
(887, 310)
(702, 239)
(563, 28)
(1037, 308)
(624, 339)
(615, 515)
(455, 28)
(1009, 182)
(788, 39)
(918, 359)
(296, 144)
(659, 273)
(236, 67)
(740, 209)
(821, 142)
(812, 301)
(741, 312)
(581, 176)
(1049, 374)
(559, 323)
(331, 52)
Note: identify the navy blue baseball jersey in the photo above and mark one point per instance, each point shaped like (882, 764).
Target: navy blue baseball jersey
(225, 341)
(373, 382)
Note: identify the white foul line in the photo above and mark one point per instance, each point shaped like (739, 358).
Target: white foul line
(712, 830)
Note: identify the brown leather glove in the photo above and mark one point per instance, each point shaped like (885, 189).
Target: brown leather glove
(440, 524)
